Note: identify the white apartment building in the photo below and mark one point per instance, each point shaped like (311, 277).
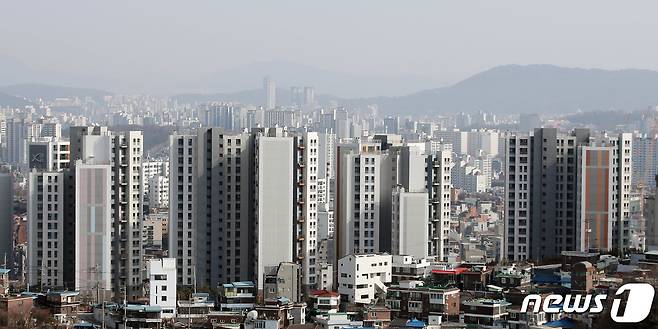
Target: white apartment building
(158, 191)
(439, 185)
(325, 222)
(162, 285)
(362, 277)
(154, 167)
(93, 228)
(93, 148)
(48, 154)
(275, 193)
(307, 171)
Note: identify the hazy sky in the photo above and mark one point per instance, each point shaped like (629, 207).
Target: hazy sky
(442, 40)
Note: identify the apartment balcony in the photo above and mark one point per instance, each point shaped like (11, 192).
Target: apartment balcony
(301, 183)
(435, 200)
(300, 220)
(301, 165)
(300, 238)
(124, 145)
(301, 146)
(300, 257)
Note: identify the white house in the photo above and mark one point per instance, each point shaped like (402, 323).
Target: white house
(361, 277)
(162, 285)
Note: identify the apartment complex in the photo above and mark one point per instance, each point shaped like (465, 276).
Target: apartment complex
(223, 228)
(566, 192)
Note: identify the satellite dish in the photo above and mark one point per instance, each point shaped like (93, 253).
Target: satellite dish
(252, 315)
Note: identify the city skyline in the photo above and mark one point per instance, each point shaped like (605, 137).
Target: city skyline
(346, 165)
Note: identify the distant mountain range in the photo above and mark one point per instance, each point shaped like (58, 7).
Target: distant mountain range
(508, 89)
(503, 89)
(534, 89)
(34, 92)
(13, 101)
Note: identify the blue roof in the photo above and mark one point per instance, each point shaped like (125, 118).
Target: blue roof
(562, 323)
(415, 323)
(4, 270)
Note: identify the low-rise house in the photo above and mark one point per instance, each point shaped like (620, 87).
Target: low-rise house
(569, 258)
(237, 296)
(225, 319)
(525, 320)
(283, 281)
(413, 299)
(465, 277)
(510, 277)
(325, 301)
(63, 304)
(143, 316)
(376, 316)
(197, 307)
(162, 285)
(485, 313)
(338, 320)
(15, 310)
(362, 277)
(408, 268)
(276, 314)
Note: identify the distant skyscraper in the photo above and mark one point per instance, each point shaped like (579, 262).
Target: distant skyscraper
(645, 160)
(392, 125)
(651, 218)
(16, 133)
(269, 87)
(297, 96)
(302, 96)
(309, 96)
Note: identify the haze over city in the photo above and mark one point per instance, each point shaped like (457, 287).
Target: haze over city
(172, 47)
(328, 165)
